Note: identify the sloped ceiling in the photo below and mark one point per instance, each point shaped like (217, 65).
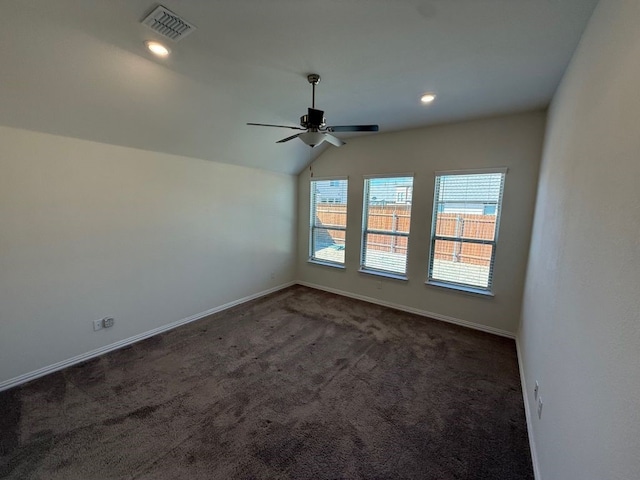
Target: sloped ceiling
(80, 68)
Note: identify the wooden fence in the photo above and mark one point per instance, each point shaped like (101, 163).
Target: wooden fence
(479, 227)
(397, 218)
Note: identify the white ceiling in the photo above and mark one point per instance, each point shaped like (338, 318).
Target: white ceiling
(80, 69)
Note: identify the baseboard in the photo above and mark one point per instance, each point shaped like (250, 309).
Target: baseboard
(404, 308)
(19, 380)
(527, 413)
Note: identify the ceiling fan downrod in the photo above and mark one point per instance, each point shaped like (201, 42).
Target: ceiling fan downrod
(313, 79)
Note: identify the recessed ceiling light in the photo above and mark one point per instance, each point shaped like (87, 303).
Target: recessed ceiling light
(428, 98)
(157, 49)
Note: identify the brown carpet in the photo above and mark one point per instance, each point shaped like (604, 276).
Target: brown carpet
(300, 384)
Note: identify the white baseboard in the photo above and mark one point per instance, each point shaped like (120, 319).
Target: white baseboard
(404, 308)
(527, 413)
(14, 382)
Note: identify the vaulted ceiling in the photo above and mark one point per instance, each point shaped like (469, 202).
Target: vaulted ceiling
(80, 68)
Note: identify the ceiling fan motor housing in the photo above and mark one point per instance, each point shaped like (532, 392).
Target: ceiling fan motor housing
(313, 119)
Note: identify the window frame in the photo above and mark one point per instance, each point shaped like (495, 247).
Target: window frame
(465, 287)
(313, 226)
(365, 231)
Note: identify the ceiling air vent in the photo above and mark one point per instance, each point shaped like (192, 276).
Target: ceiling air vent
(168, 24)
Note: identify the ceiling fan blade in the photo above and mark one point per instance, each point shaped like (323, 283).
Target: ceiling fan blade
(353, 128)
(333, 140)
(278, 126)
(289, 138)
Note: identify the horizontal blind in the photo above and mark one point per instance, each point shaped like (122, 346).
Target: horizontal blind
(386, 222)
(328, 220)
(465, 227)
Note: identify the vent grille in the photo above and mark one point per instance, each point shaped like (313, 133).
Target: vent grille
(168, 24)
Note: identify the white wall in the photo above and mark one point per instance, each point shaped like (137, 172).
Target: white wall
(89, 230)
(580, 333)
(513, 141)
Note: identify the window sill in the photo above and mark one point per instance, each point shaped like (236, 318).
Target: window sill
(326, 264)
(461, 288)
(394, 276)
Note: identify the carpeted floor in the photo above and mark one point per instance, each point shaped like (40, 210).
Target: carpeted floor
(300, 384)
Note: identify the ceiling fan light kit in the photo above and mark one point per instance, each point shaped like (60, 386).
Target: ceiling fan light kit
(313, 124)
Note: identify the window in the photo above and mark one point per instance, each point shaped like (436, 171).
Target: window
(466, 216)
(386, 220)
(328, 222)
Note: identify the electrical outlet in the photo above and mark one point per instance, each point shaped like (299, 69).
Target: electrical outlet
(539, 407)
(379, 285)
(535, 390)
(103, 323)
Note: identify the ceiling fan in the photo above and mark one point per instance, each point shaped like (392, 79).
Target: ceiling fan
(313, 124)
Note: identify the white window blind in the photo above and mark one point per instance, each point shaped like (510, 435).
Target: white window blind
(328, 221)
(466, 216)
(386, 221)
